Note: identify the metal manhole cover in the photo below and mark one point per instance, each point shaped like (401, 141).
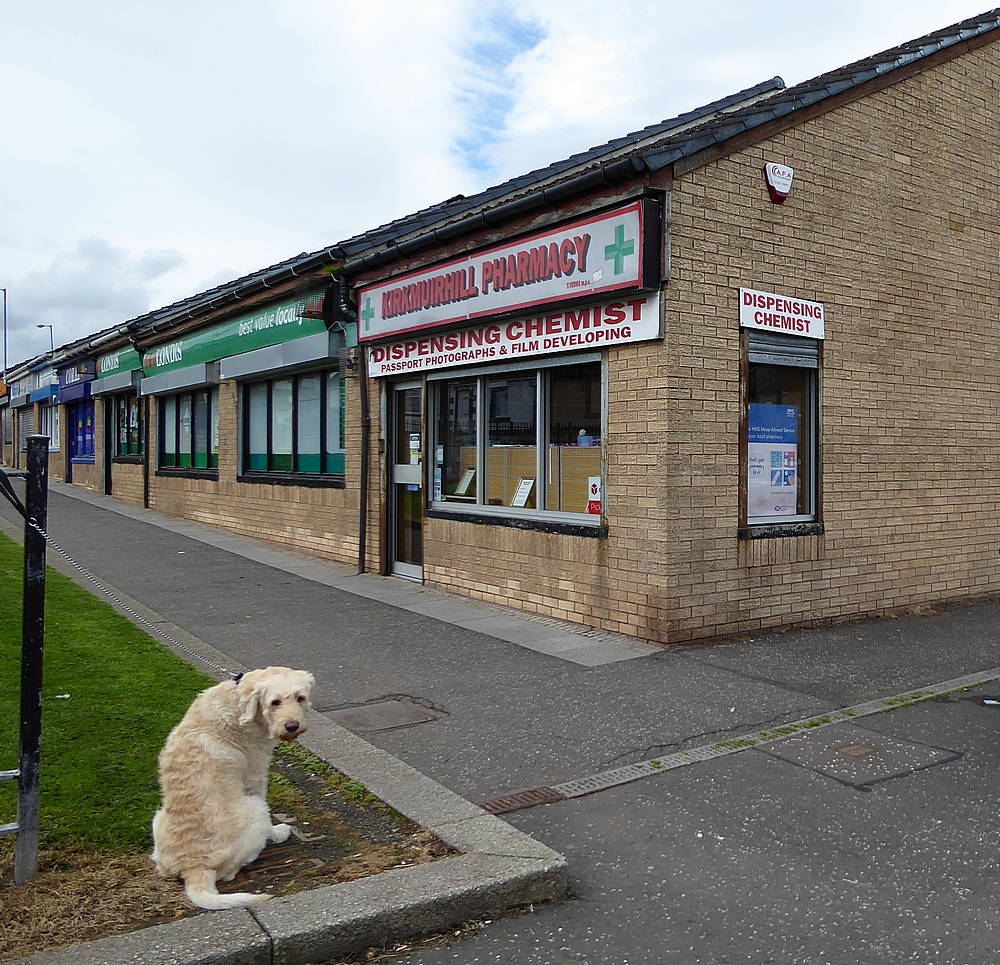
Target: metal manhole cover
(382, 715)
(857, 756)
(856, 750)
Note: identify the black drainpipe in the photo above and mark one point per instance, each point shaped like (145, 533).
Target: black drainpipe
(339, 309)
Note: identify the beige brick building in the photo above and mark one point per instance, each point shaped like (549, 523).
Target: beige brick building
(642, 389)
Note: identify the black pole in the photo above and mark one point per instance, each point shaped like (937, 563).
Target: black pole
(33, 625)
(366, 428)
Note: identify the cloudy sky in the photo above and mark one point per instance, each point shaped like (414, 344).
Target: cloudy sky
(153, 150)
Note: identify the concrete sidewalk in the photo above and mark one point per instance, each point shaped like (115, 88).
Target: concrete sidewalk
(790, 853)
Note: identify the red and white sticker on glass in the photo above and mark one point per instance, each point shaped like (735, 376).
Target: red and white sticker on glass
(595, 495)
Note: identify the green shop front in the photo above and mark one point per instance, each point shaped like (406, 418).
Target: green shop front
(257, 398)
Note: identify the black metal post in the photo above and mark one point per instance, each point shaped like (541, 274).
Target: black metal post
(33, 626)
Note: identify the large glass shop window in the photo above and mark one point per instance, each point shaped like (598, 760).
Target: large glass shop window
(189, 434)
(294, 426)
(523, 441)
(781, 456)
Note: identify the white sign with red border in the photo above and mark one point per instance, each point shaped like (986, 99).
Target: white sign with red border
(632, 318)
(590, 257)
(781, 313)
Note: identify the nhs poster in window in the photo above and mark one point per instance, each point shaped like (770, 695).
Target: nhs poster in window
(773, 460)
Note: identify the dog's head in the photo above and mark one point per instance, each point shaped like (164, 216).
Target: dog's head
(277, 698)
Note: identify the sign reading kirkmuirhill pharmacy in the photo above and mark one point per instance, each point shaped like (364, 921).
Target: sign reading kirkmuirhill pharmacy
(611, 252)
(633, 318)
(773, 460)
(280, 322)
(780, 313)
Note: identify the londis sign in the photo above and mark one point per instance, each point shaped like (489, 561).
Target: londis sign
(615, 251)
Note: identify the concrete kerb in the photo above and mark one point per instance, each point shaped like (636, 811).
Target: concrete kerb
(499, 868)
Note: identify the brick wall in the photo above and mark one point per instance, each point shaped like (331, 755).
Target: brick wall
(320, 521)
(892, 224)
(126, 482)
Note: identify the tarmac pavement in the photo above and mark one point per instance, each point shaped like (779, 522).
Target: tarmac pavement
(873, 841)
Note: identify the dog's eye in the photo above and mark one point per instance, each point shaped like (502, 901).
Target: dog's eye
(275, 702)
(300, 699)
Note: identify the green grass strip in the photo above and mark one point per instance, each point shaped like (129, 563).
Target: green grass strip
(111, 694)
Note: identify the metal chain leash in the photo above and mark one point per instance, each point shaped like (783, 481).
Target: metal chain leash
(124, 606)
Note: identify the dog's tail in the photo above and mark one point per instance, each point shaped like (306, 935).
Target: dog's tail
(199, 886)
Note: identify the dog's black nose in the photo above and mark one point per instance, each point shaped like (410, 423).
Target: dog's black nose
(292, 726)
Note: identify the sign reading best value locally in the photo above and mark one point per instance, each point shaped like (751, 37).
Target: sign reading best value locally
(632, 318)
(279, 322)
(601, 254)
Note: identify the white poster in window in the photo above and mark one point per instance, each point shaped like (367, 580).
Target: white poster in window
(772, 460)
(523, 491)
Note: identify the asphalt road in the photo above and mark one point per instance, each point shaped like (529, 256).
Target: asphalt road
(782, 854)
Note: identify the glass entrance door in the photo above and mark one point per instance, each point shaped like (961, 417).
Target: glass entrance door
(406, 480)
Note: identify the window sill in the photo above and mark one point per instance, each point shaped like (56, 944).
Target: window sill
(82, 460)
(132, 460)
(212, 474)
(779, 530)
(332, 481)
(521, 522)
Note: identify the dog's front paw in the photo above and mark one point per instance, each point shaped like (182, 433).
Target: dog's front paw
(280, 832)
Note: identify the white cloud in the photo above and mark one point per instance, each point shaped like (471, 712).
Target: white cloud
(238, 134)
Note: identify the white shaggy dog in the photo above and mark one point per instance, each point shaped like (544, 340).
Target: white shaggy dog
(213, 775)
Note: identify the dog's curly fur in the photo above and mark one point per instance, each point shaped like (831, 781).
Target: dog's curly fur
(213, 776)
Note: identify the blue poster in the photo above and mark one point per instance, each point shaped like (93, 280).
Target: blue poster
(772, 465)
(776, 424)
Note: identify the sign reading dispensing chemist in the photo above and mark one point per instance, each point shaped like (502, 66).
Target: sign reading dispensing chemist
(779, 313)
(773, 457)
(633, 318)
(590, 258)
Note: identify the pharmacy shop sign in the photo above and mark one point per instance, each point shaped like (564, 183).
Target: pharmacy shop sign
(634, 318)
(784, 314)
(616, 251)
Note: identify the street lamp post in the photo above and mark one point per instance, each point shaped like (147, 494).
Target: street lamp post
(52, 344)
(4, 290)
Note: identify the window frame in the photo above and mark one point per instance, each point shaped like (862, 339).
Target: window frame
(804, 355)
(513, 515)
(116, 451)
(50, 423)
(294, 476)
(208, 471)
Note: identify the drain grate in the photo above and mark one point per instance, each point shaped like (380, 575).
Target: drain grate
(522, 799)
(775, 735)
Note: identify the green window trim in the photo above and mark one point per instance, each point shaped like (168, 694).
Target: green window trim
(189, 430)
(294, 426)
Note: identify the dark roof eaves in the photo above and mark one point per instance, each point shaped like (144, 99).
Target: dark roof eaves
(812, 92)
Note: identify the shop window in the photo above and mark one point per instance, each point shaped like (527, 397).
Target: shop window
(782, 418)
(81, 431)
(523, 442)
(127, 428)
(48, 425)
(189, 430)
(294, 426)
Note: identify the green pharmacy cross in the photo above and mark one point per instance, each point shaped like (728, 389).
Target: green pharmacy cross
(619, 249)
(368, 313)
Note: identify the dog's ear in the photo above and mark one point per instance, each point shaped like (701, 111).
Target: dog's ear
(248, 701)
(310, 680)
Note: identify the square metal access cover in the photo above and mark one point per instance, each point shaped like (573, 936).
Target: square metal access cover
(382, 715)
(857, 756)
